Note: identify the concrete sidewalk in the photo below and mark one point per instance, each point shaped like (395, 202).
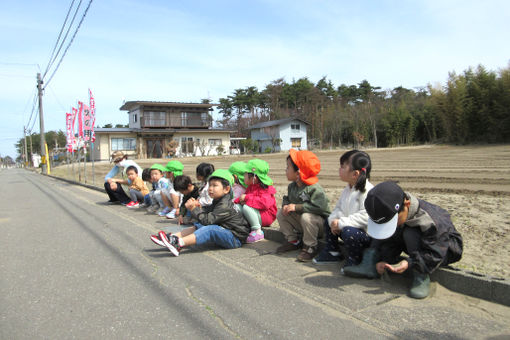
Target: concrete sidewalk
(472, 284)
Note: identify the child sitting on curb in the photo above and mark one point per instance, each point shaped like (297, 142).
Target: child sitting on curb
(219, 223)
(305, 207)
(203, 171)
(349, 218)
(258, 203)
(137, 188)
(159, 183)
(187, 189)
(171, 198)
(400, 222)
(237, 169)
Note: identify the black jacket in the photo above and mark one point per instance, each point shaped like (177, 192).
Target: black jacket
(194, 194)
(223, 213)
(441, 243)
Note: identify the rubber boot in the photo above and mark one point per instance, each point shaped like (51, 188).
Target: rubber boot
(366, 269)
(420, 287)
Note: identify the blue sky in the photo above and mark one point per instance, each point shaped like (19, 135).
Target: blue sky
(187, 50)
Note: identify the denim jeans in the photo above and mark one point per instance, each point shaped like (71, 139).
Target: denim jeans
(214, 234)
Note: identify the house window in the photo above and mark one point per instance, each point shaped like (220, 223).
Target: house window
(296, 142)
(123, 144)
(295, 127)
(135, 118)
(184, 118)
(155, 118)
(187, 145)
(214, 141)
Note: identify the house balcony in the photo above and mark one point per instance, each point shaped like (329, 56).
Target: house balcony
(176, 122)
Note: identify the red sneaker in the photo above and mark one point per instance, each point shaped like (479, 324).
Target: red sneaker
(133, 204)
(171, 242)
(157, 240)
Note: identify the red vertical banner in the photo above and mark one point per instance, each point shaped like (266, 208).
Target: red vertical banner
(92, 104)
(69, 133)
(73, 120)
(87, 130)
(80, 119)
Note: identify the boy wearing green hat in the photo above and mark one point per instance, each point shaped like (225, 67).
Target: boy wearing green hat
(219, 223)
(171, 198)
(258, 203)
(159, 183)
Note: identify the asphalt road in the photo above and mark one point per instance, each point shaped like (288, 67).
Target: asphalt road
(72, 266)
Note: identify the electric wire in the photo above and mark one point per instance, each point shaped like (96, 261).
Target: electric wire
(69, 45)
(54, 55)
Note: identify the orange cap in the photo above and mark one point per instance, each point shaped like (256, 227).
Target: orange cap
(308, 164)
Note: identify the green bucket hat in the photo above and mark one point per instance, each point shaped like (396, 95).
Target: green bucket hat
(175, 167)
(158, 167)
(225, 174)
(238, 169)
(260, 168)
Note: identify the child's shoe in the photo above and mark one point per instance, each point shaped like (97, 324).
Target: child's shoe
(325, 257)
(156, 239)
(164, 211)
(171, 214)
(171, 242)
(133, 205)
(307, 254)
(255, 236)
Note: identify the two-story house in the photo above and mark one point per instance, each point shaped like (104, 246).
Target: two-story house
(161, 129)
(280, 135)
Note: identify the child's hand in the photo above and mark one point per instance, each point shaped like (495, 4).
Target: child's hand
(113, 186)
(398, 268)
(242, 198)
(381, 267)
(335, 229)
(190, 204)
(289, 208)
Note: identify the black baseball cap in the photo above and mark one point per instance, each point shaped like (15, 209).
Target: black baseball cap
(382, 205)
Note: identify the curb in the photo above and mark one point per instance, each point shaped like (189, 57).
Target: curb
(468, 283)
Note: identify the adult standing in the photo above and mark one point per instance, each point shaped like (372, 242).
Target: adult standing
(113, 185)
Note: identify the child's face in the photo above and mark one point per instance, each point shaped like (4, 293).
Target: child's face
(155, 175)
(131, 175)
(249, 180)
(346, 173)
(216, 189)
(200, 178)
(170, 176)
(292, 175)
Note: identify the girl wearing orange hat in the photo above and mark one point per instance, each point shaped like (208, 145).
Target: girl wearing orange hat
(305, 207)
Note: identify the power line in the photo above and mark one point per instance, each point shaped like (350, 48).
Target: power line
(69, 45)
(54, 56)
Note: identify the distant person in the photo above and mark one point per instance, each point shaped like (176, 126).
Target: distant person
(349, 218)
(305, 208)
(400, 222)
(138, 191)
(115, 191)
(258, 203)
(238, 169)
(218, 224)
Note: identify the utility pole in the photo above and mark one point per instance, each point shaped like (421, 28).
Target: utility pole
(41, 126)
(26, 153)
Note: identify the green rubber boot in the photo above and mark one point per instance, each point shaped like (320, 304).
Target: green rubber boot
(420, 288)
(366, 269)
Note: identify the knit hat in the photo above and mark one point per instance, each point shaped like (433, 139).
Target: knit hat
(238, 169)
(308, 164)
(158, 167)
(225, 174)
(117, 156)
(382, 205)
(260, 168)
(175, 167)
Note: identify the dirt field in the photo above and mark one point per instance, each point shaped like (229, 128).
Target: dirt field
(472, 182)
